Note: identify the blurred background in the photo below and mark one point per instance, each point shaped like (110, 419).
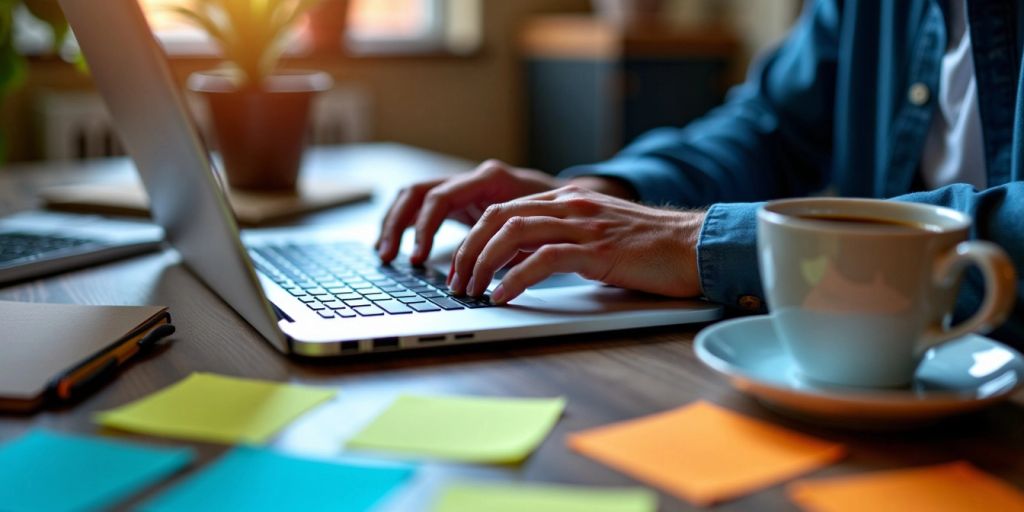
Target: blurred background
(543, 83)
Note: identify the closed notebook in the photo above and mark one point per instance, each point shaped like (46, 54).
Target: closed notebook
(251, 208)
(54, 352)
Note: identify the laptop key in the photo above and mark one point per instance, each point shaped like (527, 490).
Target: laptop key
(348, 296)
(368, 310)
(377, 297)
(400, 295)
(316, 306)
(475, 302)
(326, 314)
(394, 307)
(446, 304)
(424, 307)
(411, 300)
(432, 295)
(336, 305)
(358, 303)
(345, 313)
(306, 299)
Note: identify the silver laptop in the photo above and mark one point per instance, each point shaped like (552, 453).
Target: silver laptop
(38, 243)
(312, 297)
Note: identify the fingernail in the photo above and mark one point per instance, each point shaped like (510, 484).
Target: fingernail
(498, 295)
(469, 287)
(416, 250)
(383, 247)
(456, 286)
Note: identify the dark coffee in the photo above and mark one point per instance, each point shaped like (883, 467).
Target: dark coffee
(872, 221)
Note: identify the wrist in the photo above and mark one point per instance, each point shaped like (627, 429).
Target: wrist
(689, 228)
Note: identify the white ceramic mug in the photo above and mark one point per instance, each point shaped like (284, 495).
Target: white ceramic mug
(859, 303)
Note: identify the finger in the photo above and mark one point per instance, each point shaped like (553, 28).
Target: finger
(547, 260)
(447, 199)
(399, 217)
(520, 234)
(492, 220)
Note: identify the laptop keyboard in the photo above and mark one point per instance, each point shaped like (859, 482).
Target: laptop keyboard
(25, 247)
(347, 280)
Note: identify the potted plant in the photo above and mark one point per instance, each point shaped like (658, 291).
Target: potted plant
(260, 113)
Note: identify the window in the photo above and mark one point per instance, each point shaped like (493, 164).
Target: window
(373, 27)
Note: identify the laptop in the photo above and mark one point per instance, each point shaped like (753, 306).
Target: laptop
(307, 296)
(38, 243)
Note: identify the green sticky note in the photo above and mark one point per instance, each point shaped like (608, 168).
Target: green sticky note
(467, 497)
(472, 429)
(51, 471)
(207, 407)
(258, 480)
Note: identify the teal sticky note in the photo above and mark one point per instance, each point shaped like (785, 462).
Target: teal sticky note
(44, 471)
(254, 479)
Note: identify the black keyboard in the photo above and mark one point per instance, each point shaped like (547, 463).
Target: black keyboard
(24, 247)
(347, 280)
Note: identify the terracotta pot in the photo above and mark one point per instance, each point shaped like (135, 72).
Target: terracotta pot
(261, 131)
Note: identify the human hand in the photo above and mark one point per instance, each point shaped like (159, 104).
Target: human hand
(573, 229)
(462, 198)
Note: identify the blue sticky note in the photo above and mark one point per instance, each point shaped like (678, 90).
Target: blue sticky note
(254, 479)
(44, 471)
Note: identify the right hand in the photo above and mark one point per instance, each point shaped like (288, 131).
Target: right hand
(463, 198)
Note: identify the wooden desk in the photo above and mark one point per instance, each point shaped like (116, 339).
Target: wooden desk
(606, 377)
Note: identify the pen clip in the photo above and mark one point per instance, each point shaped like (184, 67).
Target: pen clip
(153, 338)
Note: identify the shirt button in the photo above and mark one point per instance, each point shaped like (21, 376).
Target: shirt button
(750, 303)
(919, 94)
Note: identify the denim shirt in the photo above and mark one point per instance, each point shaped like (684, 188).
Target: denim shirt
(842, 106)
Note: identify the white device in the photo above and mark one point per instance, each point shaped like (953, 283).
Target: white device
(131, 72)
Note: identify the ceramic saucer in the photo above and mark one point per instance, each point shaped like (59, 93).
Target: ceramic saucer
(960, 376)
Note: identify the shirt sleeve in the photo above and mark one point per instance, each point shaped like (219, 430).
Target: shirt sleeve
(772, 137)
(998, 214)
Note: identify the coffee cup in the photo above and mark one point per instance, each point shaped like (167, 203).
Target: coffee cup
(860, 289)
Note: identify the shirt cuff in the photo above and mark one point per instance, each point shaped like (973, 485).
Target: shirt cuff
(727, 257)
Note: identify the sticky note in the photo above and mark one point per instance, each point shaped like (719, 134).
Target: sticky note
(467, 497)
(207, 407)
(45, 470)
(704, 453)
(948, 487)
(254, 479)
(473, 429)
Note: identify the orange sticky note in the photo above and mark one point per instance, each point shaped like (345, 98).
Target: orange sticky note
(704, 453)
(957, 486)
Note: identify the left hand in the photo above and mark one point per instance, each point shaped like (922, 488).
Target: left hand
(573, 229)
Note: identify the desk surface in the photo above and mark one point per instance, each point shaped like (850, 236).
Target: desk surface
(606, 378)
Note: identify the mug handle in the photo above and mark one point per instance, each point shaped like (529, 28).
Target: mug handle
(1000, 287)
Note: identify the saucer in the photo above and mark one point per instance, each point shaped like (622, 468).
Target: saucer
(960, 376)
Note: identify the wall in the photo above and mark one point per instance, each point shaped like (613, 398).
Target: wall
(467, 106)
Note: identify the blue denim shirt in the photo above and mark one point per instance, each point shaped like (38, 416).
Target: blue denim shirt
(831, 111)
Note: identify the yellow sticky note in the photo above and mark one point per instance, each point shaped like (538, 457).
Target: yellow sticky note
(489, 497)
(957, 486)
(207, 407)
(474, 429)
(704, 453)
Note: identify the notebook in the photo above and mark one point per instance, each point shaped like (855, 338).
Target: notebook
(51, 353)
(251, 208)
